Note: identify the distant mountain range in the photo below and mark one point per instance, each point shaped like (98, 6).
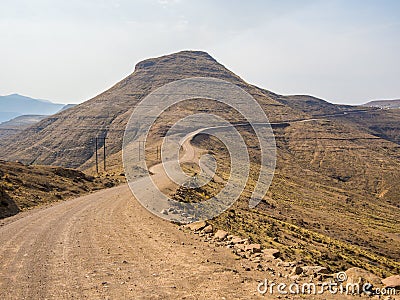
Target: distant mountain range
(15, 105)
(18, 124)
(384, 103)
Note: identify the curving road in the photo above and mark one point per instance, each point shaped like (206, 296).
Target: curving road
(106, 246)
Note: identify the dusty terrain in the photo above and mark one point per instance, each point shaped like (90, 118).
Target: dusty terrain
(334, 200)
(23, 187)
(106, 246)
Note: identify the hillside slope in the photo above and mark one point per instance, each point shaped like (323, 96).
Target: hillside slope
(67, 138)
(334, 199)
(384, 103)
(18, 124)
(23, 187)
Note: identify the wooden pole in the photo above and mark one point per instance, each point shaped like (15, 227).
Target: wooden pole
(104, 153)
(97, 160)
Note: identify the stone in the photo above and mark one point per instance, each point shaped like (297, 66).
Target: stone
(314, 270)
(196, 226)
(296, 271)
(285, 264)
(240, 247)
(220, 234)
(208, 229)
(259, 267)
(392, 281)
(294, 277)
(238, 240)
(164, 212)
(361, 276)
(253, 248)
(273, 253)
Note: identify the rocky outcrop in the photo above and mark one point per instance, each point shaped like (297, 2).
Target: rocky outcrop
(23, 187)
(8, 207)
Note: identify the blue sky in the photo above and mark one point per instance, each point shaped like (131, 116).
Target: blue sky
(70, 51)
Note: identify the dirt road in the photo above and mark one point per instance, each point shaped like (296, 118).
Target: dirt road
(106, 246)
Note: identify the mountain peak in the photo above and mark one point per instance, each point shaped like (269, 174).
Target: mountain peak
(188, 55)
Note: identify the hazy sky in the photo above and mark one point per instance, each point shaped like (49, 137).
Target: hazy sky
(69, 51)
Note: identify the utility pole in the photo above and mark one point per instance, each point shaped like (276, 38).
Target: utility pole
(104, 153)
(97, 160)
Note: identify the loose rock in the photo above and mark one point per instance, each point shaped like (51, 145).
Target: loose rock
(253, 248)
(197, 226)
(220, 235)
(296, 271)
(208, 229)
(392, 281)
(314, 270)
(358, 275)
(273, 253)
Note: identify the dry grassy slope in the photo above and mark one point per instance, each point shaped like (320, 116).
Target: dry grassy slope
(334, 199)
(383, 123)
(314, 106)
(66, 138)
(18, 124)
(23, 187)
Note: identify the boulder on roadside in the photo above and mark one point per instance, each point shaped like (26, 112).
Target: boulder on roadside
(314, 270)
(196, 226)
(271, 253)
(392, 282)
(253, 248)
(285, 264)
(296, 271)
(358, 275)
(208, 229)
(238, 240)
(220, 235)
(239, 246)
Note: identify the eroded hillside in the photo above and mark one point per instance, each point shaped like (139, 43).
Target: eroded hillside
(23, 187)
(334, 199)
